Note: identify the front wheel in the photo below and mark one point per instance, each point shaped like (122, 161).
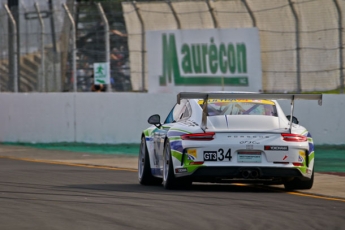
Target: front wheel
(144, 169)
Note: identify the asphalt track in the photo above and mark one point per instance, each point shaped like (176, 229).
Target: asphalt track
(53, 196)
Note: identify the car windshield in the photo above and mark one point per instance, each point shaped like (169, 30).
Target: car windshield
(240, 107)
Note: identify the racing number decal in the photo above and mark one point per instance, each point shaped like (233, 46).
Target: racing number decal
(217, 155)
(227, 155)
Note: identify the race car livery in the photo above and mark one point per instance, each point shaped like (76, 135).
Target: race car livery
(226, 137)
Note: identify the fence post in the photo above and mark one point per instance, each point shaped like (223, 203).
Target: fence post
(211, 9)
(341, 47)
(14, 59)
(74, 53)
(298, 47)
(57, 79)
(175, 14)
(142, 45)
(251, 14)
(42, 77)
(107, 41)
(26, 29)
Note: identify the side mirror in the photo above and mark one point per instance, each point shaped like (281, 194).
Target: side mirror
(155, 120)
(294, 119)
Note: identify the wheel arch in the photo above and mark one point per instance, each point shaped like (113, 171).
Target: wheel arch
(148, 148)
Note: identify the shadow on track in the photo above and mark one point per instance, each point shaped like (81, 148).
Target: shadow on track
(199, 187)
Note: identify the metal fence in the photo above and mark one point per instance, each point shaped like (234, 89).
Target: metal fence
(102, 37)
(302, 41)
(49, 57)
(29, 54)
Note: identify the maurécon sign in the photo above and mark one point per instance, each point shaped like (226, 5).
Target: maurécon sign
(207, 59)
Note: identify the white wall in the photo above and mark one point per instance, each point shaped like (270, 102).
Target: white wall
(120, 117)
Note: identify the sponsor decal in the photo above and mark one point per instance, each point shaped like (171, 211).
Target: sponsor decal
(181, 170)
(276, 148)
(301, 156)
(202, 62)
(300, 159)
(250, 142)
(192, 153)
(190, 157)
(226, 101)
(255, 136)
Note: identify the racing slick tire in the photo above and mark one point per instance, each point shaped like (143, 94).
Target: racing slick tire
(144, 169)
(296, 183)
(169, 179)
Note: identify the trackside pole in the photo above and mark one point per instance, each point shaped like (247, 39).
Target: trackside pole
(15, 64)
(42, 80)
(107, 41)
(74, 54)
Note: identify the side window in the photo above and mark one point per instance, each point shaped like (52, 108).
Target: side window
(170, 118)
(176, 113)
(187, 112)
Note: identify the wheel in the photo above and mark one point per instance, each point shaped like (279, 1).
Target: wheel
(169, 179)
(144, 169)
(299, 184)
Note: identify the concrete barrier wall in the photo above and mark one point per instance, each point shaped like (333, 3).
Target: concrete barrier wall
(120, 117)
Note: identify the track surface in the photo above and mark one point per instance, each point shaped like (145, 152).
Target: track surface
(47, 196)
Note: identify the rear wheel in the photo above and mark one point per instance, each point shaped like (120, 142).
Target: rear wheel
(144, 169)
(169, 179)
(296, 183)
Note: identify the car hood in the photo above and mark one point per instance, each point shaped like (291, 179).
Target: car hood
(245, 123)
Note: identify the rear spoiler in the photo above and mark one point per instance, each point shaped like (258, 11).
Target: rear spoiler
(221, 95)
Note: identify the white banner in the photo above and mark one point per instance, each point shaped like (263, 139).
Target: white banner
(204, 60)
(101, 73)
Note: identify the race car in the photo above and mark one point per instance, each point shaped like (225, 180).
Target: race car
(227, 137)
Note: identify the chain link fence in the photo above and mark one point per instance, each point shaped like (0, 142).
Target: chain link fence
(302, 41)
(43, 61)
(30, 52)
(91, 45)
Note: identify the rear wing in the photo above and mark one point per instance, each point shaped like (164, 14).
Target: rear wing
(224, 95)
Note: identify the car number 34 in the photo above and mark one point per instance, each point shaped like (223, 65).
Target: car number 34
(220, 155)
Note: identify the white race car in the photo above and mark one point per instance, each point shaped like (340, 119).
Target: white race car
(225, 137)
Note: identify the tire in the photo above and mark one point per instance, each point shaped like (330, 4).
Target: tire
(144, 169)
(169, 179)
(296, 183)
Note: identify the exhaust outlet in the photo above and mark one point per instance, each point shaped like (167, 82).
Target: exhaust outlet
(245, 174)
(254, 174)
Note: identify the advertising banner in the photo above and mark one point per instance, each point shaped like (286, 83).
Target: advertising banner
(204, 60)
